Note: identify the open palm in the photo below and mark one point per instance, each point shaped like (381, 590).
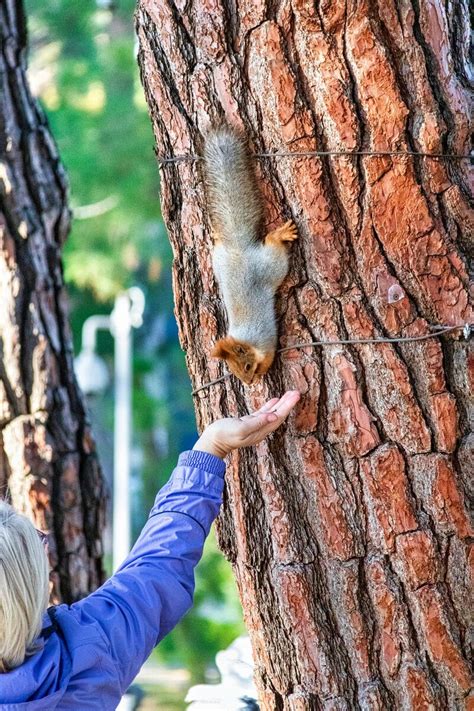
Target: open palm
(222, 436)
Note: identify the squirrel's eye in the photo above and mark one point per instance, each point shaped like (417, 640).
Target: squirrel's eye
(247, 367)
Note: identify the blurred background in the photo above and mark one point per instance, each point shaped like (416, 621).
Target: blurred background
(83, 69)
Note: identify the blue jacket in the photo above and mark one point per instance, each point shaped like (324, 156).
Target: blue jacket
(90, 656)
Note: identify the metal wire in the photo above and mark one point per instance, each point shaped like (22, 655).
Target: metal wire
(212, 382)
(165, 160)
(349, 341)
(438, 331)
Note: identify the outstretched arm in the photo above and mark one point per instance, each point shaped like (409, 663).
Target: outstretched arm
(154, 587)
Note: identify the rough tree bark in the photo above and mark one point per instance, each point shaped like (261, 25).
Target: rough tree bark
(48, 464)
(347, 531)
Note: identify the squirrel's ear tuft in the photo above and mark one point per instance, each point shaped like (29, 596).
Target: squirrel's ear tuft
(222, 349)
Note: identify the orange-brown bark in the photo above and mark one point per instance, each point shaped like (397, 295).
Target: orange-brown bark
(347, 531)
(48, 466)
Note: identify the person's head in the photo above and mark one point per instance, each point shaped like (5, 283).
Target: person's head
(24, 586)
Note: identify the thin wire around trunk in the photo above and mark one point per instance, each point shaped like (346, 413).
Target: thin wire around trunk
(438, 331)
(190, 157)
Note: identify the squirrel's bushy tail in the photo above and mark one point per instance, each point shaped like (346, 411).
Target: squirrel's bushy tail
(235, 205)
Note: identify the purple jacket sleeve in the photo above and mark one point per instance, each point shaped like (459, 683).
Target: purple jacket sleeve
(154, 587)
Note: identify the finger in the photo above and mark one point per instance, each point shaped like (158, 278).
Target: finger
(286, 404)
(255, 423)
(273, 404)
(290, 396)
(266, 422)
(266, 407)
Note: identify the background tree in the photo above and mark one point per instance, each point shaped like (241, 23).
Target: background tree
(89, 87)
(48, 463)
(347, 532)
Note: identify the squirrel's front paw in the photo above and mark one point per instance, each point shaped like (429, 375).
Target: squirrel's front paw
(285, 233)
(289, 232)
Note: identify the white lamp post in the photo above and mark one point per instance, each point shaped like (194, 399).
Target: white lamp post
(92, 377)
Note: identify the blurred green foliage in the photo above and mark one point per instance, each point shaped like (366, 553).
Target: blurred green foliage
(84, 70)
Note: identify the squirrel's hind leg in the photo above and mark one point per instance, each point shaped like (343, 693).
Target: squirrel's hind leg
(285, 233)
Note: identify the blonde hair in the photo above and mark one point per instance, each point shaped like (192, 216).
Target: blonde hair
(24, 586)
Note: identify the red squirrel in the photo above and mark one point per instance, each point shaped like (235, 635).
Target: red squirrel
(249, 269)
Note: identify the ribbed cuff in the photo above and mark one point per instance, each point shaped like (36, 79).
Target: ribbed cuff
(202, 460)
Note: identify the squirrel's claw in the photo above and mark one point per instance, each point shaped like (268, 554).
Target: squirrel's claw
(290, 232)
(285, 233)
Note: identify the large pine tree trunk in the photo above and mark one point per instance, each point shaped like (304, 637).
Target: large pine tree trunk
(47, 460)
(347, 530)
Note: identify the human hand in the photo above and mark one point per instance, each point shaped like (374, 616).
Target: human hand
(222, 436)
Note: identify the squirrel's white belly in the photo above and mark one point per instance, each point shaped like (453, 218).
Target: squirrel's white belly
(247, 285)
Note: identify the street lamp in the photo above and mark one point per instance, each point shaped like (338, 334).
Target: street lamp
(92, 376)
